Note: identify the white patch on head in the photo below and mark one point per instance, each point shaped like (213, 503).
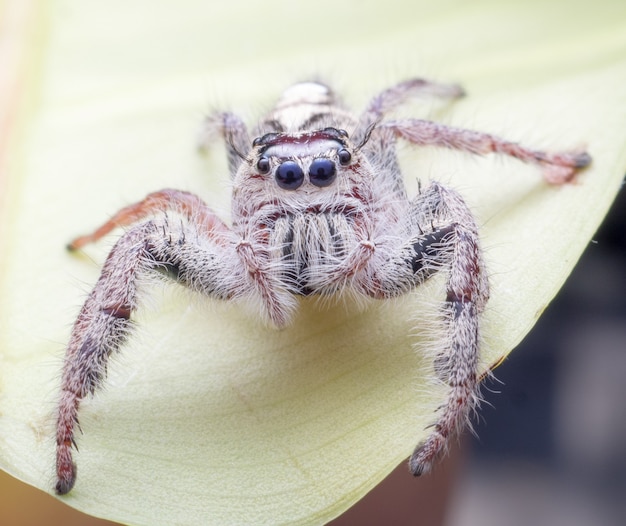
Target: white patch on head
(317, 147)
(305, 93)
(301, 101)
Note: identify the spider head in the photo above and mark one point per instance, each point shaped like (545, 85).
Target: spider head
(290, 161)
(292, 173)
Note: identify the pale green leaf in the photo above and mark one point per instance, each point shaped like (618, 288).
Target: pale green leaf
(207, 417)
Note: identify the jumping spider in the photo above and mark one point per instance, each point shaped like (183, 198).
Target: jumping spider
(319, 207)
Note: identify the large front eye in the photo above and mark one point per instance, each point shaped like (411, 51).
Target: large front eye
(322, 172)
(289, 175)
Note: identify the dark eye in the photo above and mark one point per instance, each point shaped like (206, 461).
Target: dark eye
(263, 165)
(344, 156)
(322, 172)
(289, 175)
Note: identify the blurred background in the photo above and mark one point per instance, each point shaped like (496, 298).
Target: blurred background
(551, 440)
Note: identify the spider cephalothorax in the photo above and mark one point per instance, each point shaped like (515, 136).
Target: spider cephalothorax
(319, 207)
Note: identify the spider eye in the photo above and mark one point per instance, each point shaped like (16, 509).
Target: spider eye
(289, 175)
(263, 165)
(322, 172)
(344, 157)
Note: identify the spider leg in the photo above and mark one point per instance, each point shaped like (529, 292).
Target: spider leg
(233, 130)
(101, 327)
(396, 95)
(445, 238)
(558, 167)
(211, 262)
(377, 142)
(185, 203)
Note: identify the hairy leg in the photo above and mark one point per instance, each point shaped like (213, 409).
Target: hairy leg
(185, 203)
(558, 167)
(234, 132)
(102, 326)
(445, 239)
(467, 291)
(396, 95)
(182, 249)
(377, 142)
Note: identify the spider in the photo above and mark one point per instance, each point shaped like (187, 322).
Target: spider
(319, 208)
